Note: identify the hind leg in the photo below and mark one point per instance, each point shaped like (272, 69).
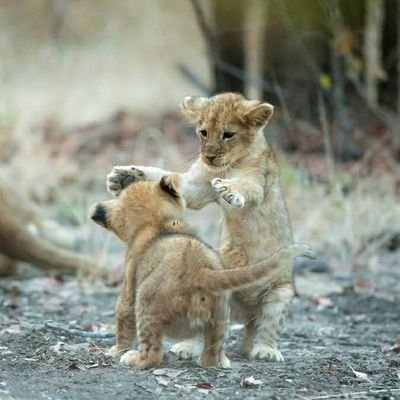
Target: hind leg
(215, 332)
(150, 352)
(269, 323)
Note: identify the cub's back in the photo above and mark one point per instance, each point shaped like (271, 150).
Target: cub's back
(174, 260)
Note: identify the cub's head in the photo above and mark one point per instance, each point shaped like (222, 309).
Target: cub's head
(227, 125)
(141, 205)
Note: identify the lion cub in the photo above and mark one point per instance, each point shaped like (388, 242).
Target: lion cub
(236, 169)
(174, 284)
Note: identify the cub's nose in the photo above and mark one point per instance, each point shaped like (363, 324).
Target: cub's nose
(210, 158)
(98, 214)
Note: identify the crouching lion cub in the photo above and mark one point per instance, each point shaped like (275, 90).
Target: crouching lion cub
(175, 285)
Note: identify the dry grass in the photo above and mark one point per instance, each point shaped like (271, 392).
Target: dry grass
(338, 225)
(341, 224)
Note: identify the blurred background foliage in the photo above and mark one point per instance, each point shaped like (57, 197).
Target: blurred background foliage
(80, 60)
(89, 84)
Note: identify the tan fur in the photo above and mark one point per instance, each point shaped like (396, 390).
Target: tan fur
(240, 174)
(174, 282)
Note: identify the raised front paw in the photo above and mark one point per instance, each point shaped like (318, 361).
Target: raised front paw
(223, 187)
(121, 177)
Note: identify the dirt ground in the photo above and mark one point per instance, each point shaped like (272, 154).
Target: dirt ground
(341, 341)
(335, 344)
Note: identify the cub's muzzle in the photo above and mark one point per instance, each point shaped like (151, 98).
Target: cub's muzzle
(98, 214)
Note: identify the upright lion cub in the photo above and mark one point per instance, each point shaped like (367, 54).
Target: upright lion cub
(236, 169)
(174, 284)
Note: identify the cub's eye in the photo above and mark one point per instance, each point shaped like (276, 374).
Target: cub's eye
(203, 133)
(228, 135)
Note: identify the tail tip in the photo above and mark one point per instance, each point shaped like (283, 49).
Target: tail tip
(310, 254)
(307, 252)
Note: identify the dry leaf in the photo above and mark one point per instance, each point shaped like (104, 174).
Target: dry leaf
(395, 348)
(107, 328)
(250, 382)
(387, 349)
(94, 349)
(323, 303)
(204, 385)
(171, 373)
(158, 391)
(360, 375)
(14, 297)
(79, 366)
(91, 327)
(4, 350)
(14, 328)
(57, 348)
(361, 284)
(186, 388)
(162, 381)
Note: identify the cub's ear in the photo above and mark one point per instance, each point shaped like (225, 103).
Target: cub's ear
(192, 107)
(167, 185)
(258, 115)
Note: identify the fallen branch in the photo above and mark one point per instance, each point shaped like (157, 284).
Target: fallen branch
(78, 332)
(19, 244)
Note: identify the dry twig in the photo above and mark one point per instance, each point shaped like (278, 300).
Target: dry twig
(78, 332)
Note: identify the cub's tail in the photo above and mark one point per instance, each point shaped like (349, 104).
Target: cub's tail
(229, 279)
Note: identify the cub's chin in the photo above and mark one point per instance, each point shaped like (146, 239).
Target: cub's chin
(215, 165)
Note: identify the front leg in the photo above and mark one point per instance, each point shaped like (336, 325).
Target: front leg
(193, 186)
(125, 315)
(238, 191)
(150, 333)
(125, 326)
(122, 176)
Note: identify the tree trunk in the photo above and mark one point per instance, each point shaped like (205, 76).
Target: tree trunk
(256, 21)
(397, 131)
(373, 49)
(338, 103)
(229, 45)
(58, 10)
